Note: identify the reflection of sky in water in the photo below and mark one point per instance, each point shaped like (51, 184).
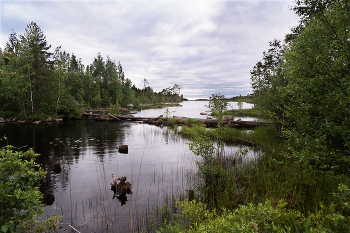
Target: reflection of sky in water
(82, 189)
(190, 109)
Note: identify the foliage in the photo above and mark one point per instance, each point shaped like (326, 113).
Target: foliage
(303, 86)
(35, 81)
(201, 145)
(264, 217)
(20, 197)
(192, 122)
(114, 109)
(218, 105)
(268, 82)
(240, 103)
(343, 198)
(167, 113)
(319, 88)
(69, 107)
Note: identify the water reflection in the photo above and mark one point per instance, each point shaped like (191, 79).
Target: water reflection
(158, 163)
(191, 109)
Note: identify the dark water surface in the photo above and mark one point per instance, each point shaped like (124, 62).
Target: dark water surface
(157, 164)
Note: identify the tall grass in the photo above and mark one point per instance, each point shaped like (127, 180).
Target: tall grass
(272, 176)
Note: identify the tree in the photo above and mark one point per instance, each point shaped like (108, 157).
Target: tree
(176, 92)
(144, 87)
(17, 82)
(36, 42)
(317, 64)
(61, 65)
(269, 82)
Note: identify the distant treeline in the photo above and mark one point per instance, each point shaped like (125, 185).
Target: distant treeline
(35, 82)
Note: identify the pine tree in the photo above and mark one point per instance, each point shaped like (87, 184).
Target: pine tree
(38, 47)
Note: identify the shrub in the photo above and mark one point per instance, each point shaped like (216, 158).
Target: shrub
(20, 197)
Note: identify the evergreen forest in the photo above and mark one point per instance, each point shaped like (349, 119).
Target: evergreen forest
(37, 81)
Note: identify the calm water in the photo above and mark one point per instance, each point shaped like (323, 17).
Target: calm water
(191, 109)
(157, 164)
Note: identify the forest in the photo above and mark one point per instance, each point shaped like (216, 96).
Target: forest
(36, 82)
(300, 181)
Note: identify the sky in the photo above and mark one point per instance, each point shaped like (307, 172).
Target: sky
(205, 47)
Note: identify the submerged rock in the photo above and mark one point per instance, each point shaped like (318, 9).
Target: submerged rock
(123, 149)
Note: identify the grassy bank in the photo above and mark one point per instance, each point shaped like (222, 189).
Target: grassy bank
(273, 193)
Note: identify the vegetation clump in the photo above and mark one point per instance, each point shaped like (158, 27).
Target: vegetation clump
(20, 198)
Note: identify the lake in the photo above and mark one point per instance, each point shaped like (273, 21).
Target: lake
(157, 164)
(191, 109)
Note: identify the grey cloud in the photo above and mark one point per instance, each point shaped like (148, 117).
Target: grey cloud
(206, 47)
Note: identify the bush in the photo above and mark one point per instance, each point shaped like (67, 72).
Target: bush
(20, 196)
(69, 107)
(264, 217)
(114, 109)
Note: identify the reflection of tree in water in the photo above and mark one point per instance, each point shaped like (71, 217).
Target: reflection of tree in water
(63, 143)
(121, 187)
(122, 198)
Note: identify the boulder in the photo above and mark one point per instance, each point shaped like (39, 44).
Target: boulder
(123, 149)
(59, 120)
(203, 113)
(36, 122)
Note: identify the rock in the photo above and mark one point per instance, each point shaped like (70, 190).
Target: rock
(20, 121)
(203, 113)
(36, 122)
(59, 120)
(2, 120)
(48, 119)
(123, 149)
(14, 119)
(57, 168)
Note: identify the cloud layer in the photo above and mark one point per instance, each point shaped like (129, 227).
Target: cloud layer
(204, 46)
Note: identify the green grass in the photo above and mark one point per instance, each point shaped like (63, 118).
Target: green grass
(274, 175)
(261, 195)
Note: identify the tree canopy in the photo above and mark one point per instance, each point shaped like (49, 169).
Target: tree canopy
(35, 82)
(304, 85)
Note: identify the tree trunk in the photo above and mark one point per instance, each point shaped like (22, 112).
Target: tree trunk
(59, 89)
(24, 109)
(36, 86)
(30, 88)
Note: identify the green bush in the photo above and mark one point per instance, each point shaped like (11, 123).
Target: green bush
(20, 196)
(264, 217)
(114, 109)
(69, 107)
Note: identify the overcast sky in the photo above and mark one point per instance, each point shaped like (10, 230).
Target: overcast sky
(205, 47)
